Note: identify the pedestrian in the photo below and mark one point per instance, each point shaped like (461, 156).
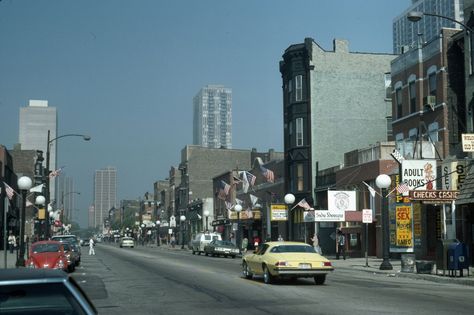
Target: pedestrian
(245, 244)
(341, 245)
(280, 238)
(256, 241)
(91, 246)
(173, 241)
(317, 247)
(11, 242)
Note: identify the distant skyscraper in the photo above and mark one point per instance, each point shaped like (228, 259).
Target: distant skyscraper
(105, 194)
(212, 124)
(406, 33)
(35, 121)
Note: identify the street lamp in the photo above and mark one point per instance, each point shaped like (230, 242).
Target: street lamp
(383, 181)
(48, 147)
(158, 222)
(415, 16)
(182, 218)
(289, 200)
(40, 201)
(237, 209)
(24, 184)
(206, 213)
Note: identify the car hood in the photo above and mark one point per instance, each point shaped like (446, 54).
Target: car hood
(42, 259)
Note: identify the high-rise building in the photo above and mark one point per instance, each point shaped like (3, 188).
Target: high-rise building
(407, 34)
(105, 194)
(35, 121)
(212, 123)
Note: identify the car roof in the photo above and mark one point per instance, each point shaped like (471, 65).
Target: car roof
(27, 275)
(47, 242)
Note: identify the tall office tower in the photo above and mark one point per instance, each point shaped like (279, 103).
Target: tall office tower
(212, 123)
(407, 34)
(105, 193)
(66, 197)
(35, 121)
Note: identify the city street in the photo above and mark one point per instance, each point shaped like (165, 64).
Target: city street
(151, 280)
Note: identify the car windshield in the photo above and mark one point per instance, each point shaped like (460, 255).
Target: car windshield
(293, 249)
(45, 248)
(70, 239)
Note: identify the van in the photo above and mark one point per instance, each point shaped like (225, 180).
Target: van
(201, 240)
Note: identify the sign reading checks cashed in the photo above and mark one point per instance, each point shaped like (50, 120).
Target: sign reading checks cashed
(434, 195)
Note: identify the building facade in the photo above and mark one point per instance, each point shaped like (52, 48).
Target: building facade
(105, 194)
(35, 121)
(407, 34)
(212, 117)
(333, 102)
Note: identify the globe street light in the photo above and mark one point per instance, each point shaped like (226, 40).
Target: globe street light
(383, 181)
(237, 209)
(143, 233)
(206, 213)
(415, 16)
(24, 184)
(182, 218)
(289, 200)
(158, 222)
(47, 173)
(40, 201)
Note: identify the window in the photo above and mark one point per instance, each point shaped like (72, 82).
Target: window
(299, 87)
(432, 80)
(299, 132)
(290, 90)
(433, 131)
(299, 177)
(398, 99)
(412, 92)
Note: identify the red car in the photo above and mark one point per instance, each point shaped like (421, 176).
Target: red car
(47, 254)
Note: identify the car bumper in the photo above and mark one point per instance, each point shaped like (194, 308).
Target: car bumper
(127, 245)
(296, 272)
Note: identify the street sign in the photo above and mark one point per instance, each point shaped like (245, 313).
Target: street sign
(468, 142)
(170, 231)
(172, 221)
(367, 216)
(397, 156)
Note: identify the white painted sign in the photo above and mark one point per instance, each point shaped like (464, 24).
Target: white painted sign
(367, 216)
(341, 200)
(329, 216)
(419, 174)
(468, 142)
(454, 175)
(172, 221)
(170, 231)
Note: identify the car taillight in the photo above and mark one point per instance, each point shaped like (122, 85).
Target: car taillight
(327, 264)
(282, 263)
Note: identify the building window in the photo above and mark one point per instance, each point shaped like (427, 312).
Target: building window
(299, 87)
(299, 177)
(433, 129)
(398, 99)
(432, 80)
(290, 90)
(299, 132)
(412, 92)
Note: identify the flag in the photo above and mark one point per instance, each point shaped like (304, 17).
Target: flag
(268, 174)
(250, 178)
(371, 190)
(10, 191)
(236, 180)
(223, 190)
(402, 188)
(37, 189)
(238, 201)
(304, 204)
(253, 199)
(55, 173)
(228, 205)
(28, 203)
(249, 213)
(245, 182)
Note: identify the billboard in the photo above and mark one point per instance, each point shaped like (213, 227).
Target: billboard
(419, 174)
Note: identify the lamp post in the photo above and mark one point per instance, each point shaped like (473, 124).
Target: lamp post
(383, 181)
(24, 184)
(40, 201)
(289, 200)
(47, 188)
(238, 209)
(415, 16)
(206, 213)
(158, 239)
(182, 218)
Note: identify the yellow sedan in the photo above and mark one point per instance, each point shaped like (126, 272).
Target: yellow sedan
(286, 260)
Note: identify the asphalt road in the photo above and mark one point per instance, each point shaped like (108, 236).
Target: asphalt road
(158, 281)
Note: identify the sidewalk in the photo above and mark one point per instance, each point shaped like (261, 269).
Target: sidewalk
(11, 259)
(359, 264)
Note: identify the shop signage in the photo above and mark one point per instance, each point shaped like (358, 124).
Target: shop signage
(404, 226)
(329, 216)
(434, 195)
(366, 215)
(220, 222)
(279, 212)
(468, 142)
(454, 175)
(419, 174)
(339, 200)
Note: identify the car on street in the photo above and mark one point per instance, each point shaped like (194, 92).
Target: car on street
(28, 291)
(127, 241)
(75, 243)
(218, 248)
(47, 254)
(71, 256)
(201, 240)
(286, 260)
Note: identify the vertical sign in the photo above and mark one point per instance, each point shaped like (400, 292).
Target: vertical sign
(404, 226)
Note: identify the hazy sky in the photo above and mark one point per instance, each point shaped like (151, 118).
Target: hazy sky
(125, 72)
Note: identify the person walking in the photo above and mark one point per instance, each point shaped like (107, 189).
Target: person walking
(245, 244)
(317, 247)
(280, 238)
(341, 245)
(173, 241)
(11, 242)
(91, 246)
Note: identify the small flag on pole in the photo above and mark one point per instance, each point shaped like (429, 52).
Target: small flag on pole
(55, 173)
(402, 188)
(268, 174)
(10, 191)
(303, 204)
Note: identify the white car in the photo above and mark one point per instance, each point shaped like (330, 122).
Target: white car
(127, 242)
(201, 240)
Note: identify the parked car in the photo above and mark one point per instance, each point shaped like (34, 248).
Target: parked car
(71, 256)
(47, 254)
(286, 260)
(201, 240)
(127, 241)
(29, 291)
(74, 240)
(217, 248)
